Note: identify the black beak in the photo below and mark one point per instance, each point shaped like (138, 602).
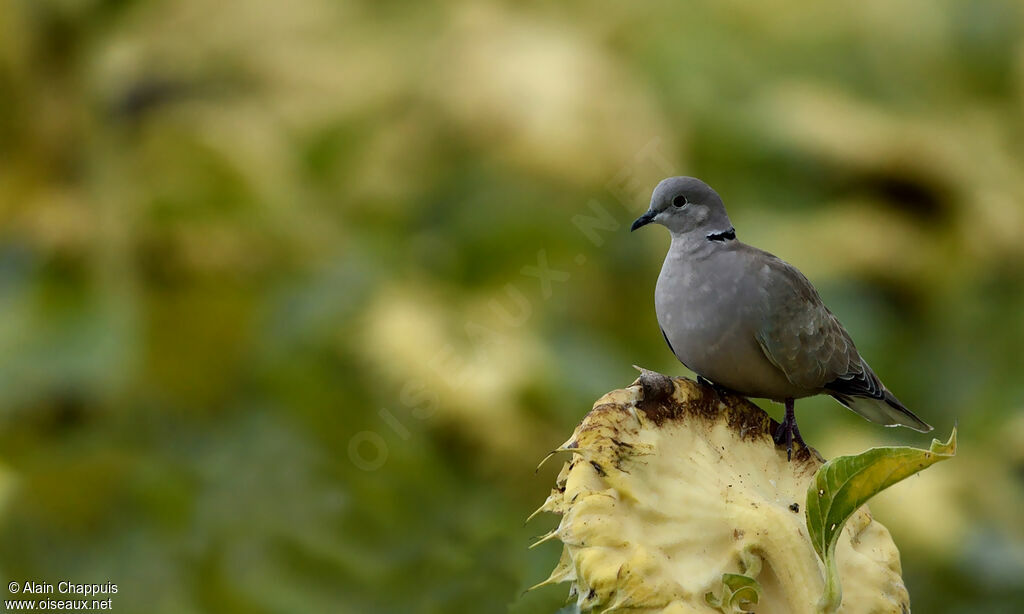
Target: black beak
(643, 220)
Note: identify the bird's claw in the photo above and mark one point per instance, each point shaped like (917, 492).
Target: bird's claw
(719, 390)
(788, 432)
(784, 434)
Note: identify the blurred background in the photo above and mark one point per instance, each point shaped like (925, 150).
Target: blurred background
(295, 296)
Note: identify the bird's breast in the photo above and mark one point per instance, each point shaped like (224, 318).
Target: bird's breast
(709, 313)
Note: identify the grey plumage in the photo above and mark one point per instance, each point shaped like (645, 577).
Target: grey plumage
(749, 322)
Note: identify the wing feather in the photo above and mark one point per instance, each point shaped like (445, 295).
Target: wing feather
(801, 337)
(799, 334)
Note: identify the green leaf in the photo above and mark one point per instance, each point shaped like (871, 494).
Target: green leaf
(739, 594)
(845, 483)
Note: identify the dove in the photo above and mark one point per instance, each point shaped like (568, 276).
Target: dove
(747, 322)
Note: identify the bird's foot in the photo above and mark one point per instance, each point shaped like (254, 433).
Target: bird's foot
(789, 432)
(721, 390)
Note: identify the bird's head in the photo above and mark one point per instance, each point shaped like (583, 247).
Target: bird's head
(687, 205)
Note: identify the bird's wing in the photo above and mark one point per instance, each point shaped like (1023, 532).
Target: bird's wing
(800, 336)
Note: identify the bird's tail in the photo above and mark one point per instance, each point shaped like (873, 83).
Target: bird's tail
(887, 410)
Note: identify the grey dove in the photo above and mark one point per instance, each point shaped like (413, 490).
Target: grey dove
(746, 321)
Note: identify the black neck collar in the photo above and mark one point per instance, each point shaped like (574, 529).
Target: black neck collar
(725, 235)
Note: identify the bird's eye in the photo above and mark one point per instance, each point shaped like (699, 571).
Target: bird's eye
(679, 201)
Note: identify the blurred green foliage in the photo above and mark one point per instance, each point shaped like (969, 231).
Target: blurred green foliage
(250, 354)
